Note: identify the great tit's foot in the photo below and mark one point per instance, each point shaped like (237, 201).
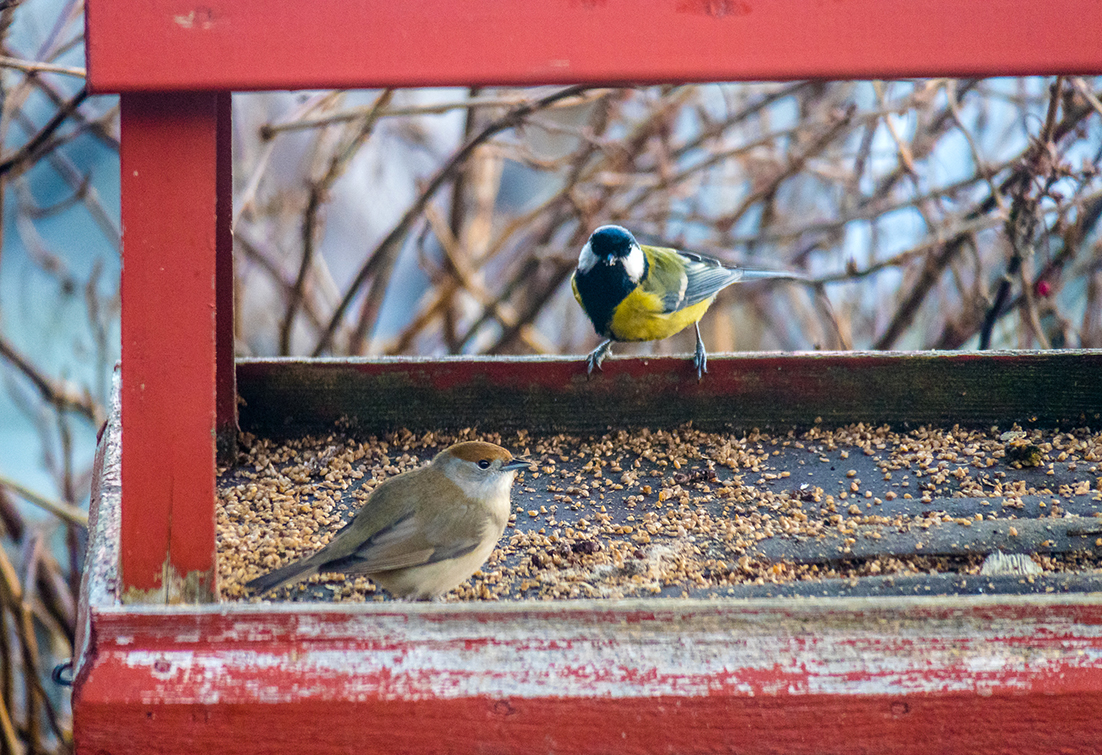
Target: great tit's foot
(597, 356)
(700, 359)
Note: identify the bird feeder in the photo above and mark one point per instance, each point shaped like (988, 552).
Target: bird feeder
(164, 666)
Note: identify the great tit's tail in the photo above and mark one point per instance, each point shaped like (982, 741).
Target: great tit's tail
(286, 575)
(761, 275)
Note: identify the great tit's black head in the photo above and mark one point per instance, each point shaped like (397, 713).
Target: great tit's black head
(612, 245)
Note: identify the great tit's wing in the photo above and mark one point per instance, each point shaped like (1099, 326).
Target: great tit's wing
(682, 279)
(415, 538)
(706, 278)
(574, 288)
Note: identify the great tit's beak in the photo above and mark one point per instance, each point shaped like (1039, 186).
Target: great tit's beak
(517, 464)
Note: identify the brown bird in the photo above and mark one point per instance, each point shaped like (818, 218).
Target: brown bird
(423, 532)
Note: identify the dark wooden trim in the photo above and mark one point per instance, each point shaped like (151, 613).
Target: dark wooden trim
(1047, 389)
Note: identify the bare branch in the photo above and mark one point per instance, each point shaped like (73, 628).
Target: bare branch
(30, 66)
(40, 143)
(382, 258)
(60, 396)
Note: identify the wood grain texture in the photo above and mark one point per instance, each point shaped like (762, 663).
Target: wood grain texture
(168, 154)
(1014, 674)
(815, 725)
(1047, 389)
(278, 44)
(892, 675)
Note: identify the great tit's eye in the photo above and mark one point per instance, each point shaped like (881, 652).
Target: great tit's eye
(484, 464)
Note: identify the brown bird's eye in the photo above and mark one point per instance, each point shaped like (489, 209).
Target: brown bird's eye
(484, 464)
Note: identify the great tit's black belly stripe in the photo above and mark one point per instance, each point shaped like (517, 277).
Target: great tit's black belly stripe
(601, 289)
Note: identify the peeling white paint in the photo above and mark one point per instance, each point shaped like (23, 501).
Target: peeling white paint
(366, 659)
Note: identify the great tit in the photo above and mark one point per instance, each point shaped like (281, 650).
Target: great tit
(646, 293)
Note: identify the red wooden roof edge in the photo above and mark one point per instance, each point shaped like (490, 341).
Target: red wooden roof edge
(168, 45)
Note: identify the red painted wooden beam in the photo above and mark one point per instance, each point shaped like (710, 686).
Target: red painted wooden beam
(907, 676)
(169, 216)
(135, 45)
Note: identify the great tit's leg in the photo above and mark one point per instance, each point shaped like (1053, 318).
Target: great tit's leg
(598, 355)
(700, 359)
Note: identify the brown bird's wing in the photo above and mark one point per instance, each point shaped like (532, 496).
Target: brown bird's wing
(413, 539)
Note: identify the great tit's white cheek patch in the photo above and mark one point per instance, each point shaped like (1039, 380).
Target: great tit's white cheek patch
(635, 264)
(587, 259)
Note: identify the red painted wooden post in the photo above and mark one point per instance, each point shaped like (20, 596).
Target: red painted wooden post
(169, 215)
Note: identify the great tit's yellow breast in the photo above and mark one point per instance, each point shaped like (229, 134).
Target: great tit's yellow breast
(639, 317)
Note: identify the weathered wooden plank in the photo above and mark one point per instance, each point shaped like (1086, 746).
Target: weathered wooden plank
(968, 724)
(941, 539)
(168, 159)
(1047, 389)
(925, 585)
(890, 675)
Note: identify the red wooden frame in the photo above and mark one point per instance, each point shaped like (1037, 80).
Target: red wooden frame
(177, 269)
(175, 63)
(176, 189)
(169, 45)
(985, 679)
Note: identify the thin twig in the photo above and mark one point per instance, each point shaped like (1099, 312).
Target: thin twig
(63, 511)
(381, 258)
(251, 249)
(1088, 95)
(1021, 224)
(60, 396)
(7, 728)
(795, 164)
(30, 66)
(470, 103)
(39, 144)
(917, 292)
(967, 227)
(906, 157)
(319, 191)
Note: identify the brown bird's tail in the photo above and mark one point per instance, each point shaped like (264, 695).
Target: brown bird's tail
(286, 575)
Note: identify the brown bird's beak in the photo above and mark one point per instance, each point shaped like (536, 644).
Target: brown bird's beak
(517, 464)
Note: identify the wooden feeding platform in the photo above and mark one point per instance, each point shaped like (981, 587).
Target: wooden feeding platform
(742, 615)
(716, 656)
(854, 474)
